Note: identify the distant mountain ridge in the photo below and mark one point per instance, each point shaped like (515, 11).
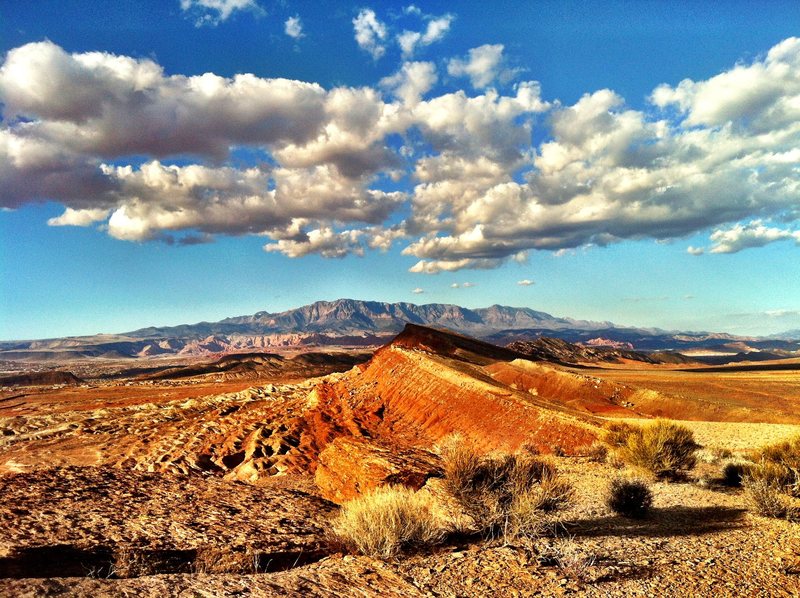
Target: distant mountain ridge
(350, 316)
(354, 323)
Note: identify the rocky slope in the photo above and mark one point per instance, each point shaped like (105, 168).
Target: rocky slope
(46, 378)
(560, 351)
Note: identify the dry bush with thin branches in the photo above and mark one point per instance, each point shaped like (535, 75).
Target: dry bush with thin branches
(664, 448)
(504, 494)
(765, 495)
(387, 521)
(571, 559)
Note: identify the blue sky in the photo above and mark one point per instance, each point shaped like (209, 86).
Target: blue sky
(632, 161)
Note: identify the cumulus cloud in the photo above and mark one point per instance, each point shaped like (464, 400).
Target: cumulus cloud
(482, 65)
(72, 217)
(761, 96)
(525, 282)
(108, 137)
(411, 82)
(370, 33)
(463, 285)
(746, 236)
(418, 291)
(436, 29)
(609, 173)
(114, 105)
(437, 266)
(213, 12)
(67, 115)
(293, 27)
(325, 242)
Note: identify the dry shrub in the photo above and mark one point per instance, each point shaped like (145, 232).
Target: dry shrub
(571, 559)
(780, 465)
(629, 497)
(662, 447)
(765, 495)
(505, 493)
(616, 434)
(390, 519)
(597, 452)
(734, 472)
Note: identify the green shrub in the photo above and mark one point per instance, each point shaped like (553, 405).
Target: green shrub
(662, 447)
(629, 498)
(390, 519)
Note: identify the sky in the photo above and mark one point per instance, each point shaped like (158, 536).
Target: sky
(174, 161)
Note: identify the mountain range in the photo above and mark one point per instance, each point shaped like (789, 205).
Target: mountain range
(354, 323)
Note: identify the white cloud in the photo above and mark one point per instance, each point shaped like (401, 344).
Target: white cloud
(692, 250)
(412, 81)
(483, 65)
(761, 96)
(213, 12)
(746, 236)
(114, 105)
(435, 31)
(436, 266)
(464, 285)
(719, 158)
(370, 33)
(325, 242)
(418, 291)
(782, 313)
(525, 282)
(72, 217)
(293, 27)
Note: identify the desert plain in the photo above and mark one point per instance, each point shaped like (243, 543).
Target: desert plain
(223, 477)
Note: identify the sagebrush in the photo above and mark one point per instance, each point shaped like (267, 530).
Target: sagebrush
(664, 448)
(765, 495)
(387, 521)
(779, 464)
(504, 494)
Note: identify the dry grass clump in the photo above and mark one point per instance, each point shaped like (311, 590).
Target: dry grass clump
(779, 464)
(505, 493)
(765, 496)
(662, 447)
(597, 452)
(629, 497)
(776, 474)
(387, 521)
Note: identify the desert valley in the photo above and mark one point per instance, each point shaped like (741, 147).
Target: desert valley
(399, 299)
(222, 470)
